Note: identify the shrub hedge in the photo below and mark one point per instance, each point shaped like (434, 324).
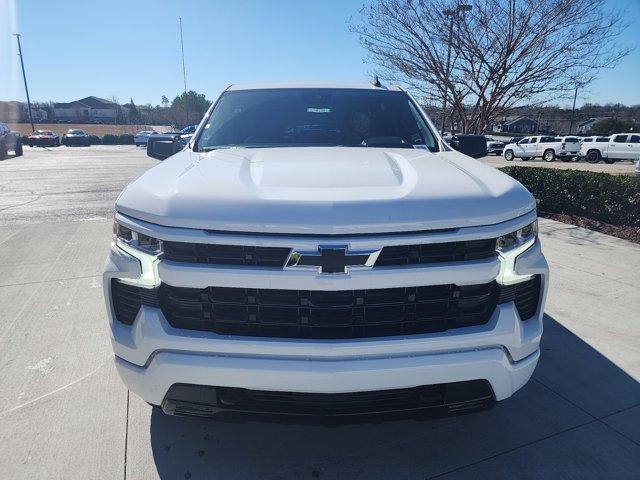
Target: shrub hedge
(108, 139)
(608, 198)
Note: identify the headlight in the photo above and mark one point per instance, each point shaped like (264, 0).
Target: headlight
(515, 239)
(136, 240)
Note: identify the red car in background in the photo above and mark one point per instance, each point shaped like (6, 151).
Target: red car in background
(43, 138)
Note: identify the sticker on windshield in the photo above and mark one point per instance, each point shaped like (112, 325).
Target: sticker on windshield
(318, 110)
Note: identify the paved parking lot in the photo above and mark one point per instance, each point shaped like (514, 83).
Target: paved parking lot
(622, 167)
(64, 414)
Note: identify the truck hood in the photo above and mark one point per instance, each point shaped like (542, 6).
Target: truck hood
(326, 190)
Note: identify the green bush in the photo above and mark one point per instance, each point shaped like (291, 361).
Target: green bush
(125, 139)
(110, 139)
(608, 198)
(94, 140)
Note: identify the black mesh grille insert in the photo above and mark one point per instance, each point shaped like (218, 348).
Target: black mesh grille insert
(225, 254)
(526, 296)
(328, 314)
(127, 299)
(437, 252)
(204, 401)
(277, 256)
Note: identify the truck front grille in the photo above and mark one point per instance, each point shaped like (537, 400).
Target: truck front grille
(216, 254)
(437, 252)
(225, 254)
(328, 314)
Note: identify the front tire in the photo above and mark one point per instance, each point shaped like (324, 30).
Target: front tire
(593, 156)
(18, 150)
(508, 156)
(549, 155)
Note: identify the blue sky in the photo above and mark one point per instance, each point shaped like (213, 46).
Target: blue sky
(130, 49)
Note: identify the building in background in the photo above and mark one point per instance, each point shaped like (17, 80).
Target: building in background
(90, 110)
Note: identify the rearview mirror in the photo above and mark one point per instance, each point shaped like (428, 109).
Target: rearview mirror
(162, 146)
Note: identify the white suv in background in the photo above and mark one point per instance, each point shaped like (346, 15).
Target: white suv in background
(620, 146)
(319, 249)
(546, 147)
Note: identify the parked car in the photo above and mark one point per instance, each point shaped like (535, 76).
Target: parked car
(324, 254)
(43, 138)
(9, 141)
(546, 147)
(76, 137)
(620, 146)
(494, 146)
(140, 139)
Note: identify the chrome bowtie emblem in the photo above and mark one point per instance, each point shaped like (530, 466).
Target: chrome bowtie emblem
(332, 259)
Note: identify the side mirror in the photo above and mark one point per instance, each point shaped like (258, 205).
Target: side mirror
(474, 146)
(163, 146)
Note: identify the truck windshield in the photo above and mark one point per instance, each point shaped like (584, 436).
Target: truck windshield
(299, 117)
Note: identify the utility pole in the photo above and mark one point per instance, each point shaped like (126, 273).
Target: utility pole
(452, 14)
(184, 75)
(573, 109)
(24, 77)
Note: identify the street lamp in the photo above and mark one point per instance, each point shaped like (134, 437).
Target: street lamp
(452, 14)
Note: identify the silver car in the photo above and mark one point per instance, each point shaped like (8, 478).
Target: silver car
(141, 138)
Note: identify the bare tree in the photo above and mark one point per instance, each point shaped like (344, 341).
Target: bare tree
(499, 55)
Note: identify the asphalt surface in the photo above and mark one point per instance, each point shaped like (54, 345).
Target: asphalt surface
(622, 167)
(64, 414)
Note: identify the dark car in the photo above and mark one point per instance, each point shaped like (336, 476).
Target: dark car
(76, 137)
(9, 141)
(43, 138)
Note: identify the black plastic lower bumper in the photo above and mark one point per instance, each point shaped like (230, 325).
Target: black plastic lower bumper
(207, 401)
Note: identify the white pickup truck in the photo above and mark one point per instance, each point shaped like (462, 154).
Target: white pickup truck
(620, 146)
(319, 249)
(546, 147)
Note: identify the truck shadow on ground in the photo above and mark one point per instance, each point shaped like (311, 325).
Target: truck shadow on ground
(574, 385)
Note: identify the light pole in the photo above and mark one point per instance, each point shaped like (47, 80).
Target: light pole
(452, 14)
(24, 77)
(573, 109)
(184, 75)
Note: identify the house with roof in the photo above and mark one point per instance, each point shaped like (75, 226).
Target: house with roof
(89, 110)
(515, 124)
(585, 126)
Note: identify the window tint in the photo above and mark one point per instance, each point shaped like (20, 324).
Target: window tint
(315, 117)
(524, 141)
(586, 140)
(620, 139)
(571, 140)
(634, 139)
(602, 139)
(547, 140)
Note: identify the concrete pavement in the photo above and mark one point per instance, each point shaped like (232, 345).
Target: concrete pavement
(64, 413)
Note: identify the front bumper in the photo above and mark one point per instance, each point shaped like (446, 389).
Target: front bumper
(152, 356)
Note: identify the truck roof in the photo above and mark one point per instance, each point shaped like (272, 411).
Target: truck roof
(263, 86)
